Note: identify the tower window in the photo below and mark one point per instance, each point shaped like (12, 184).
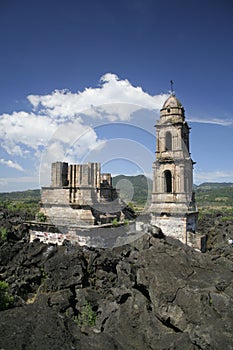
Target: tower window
(168, 141)
(167, 181)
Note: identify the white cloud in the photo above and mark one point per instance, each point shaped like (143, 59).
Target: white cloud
(63, 122)
(105, 102)
(69, 144)
(11, 164)
(62, 119)
(21, 130)
(217, 121)
(23, 133)
(112, 90)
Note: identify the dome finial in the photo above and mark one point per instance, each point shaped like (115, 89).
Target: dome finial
(172, 91)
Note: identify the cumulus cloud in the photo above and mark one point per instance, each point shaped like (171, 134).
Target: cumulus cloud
(66, 118)
(63, 123)
(112, 90)
(69, 144)
(21, 131)
(11, 164)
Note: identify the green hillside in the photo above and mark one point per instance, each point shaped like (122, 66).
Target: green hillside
(140, 185)
(214, 194)
(26, 196)
(22, 203)
(214, 185)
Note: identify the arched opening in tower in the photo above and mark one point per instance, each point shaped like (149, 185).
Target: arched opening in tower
(167, 181)
(168, 141)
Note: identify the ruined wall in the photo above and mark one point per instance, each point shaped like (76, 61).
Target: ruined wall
(50, 195)
(182, 228)
(59, 173)
(171, 226)
(76, 192)
(83, 195)
(84, 175)
(106, 180)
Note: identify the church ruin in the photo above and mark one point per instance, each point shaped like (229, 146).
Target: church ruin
(80, 194)
(173, 206)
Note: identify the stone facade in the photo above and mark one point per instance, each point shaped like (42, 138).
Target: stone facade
(173, 206)
(80, 194)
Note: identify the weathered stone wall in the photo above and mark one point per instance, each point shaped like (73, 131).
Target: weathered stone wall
(57, 237)
(59, 172)
(83, 195)
(106, 180)
(54, 195)
(66, 215)
(84, 175)
(182, 180)
(183, 228)
(171, 226)
(75, 192)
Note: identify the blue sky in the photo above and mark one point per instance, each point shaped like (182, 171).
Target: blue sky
(84, 81)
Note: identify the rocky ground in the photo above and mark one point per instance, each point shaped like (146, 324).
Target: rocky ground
(154, 293)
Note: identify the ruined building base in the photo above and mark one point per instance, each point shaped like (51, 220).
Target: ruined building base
(80, 195)
(182, 227)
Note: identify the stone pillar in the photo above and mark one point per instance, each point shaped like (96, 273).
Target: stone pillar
(182, 179)
(157, 142)
(180, 140)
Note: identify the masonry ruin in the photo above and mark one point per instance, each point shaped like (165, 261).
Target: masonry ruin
(81, 195)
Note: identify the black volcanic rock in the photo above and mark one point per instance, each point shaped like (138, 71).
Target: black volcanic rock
(154, 293)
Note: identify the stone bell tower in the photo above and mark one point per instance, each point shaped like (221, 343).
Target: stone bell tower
(173, 207)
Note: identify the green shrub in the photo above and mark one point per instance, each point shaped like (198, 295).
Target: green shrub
(87, 317)
(115, 222)
(226, 218)
(41, 217)
(130, 205)
(6, 300)
(3, 233)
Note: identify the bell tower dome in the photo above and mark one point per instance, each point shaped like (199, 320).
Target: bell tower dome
(173, 206)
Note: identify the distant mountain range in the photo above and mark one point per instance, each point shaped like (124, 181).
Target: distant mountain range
(29, 196)
(137, 189)
(211, 185)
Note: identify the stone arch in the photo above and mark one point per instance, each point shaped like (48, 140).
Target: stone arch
(168, 141)
(167, 181)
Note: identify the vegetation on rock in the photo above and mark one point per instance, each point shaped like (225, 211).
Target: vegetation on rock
(6, 300)
(86, 317)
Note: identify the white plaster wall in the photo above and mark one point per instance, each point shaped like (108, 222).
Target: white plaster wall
(171, 226)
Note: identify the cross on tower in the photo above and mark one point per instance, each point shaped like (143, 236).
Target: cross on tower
(172, 83)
